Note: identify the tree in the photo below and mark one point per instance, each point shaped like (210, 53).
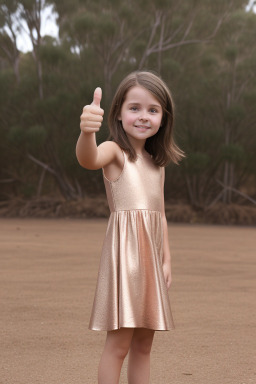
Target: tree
(9, 30)
(237, 83)
(220, 117)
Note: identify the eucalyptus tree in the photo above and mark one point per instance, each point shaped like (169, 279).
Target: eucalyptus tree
(28, 118)
(22, 16)
(219, 122)
(236, 104)
(9, 30)
(30, 11)
(100, 33)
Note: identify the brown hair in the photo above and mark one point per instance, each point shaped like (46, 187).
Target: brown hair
(161, 146)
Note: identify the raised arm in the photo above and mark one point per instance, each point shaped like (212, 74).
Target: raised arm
(88, 154)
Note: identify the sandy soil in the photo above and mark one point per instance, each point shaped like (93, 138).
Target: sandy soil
(48, 273)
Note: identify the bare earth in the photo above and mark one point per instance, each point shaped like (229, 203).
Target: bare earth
(48, 274)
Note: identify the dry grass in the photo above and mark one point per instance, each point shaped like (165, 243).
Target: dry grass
(98, 207)
(231, 214)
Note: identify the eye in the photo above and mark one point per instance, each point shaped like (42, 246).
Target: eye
(153, 110)
(134, 108)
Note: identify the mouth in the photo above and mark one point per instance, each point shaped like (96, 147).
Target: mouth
(142, 127)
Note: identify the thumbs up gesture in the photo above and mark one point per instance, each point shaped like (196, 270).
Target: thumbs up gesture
(92, 116)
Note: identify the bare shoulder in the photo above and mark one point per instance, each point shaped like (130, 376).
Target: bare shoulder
(110, 147)
(108, 152)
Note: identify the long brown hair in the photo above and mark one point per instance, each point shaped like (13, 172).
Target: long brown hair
(161, 146)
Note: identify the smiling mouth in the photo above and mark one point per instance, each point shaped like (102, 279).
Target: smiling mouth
(142, 126)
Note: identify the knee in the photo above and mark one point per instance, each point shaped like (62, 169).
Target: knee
(142, 345)
(119, 350)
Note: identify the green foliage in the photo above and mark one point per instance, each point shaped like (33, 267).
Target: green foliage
(53, 55)
(196, 162)
(234, 114)
(233, 153)
(231, 53)
(84, 22)
(36, 136)
(16, 135)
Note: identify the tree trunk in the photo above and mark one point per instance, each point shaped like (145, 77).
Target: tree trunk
(225, 182)
(159, 55)
(231, 182)
(40, 79)
(16, 67)
(67, 190)
(190, 191)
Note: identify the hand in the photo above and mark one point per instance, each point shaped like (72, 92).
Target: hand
(167, 274)
(92, 116)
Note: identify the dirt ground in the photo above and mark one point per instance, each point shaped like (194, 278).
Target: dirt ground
(48, 272)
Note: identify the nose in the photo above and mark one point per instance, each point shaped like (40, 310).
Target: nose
(143, 115)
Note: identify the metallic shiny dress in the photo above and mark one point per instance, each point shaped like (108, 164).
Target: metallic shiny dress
(131, 291)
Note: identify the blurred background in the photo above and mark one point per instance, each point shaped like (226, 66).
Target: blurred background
(53, 54)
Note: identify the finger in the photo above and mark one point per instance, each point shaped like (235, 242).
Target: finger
(91, 117)
(91, 124)
(97, 97)
(89, 109)
(89, 130)
(97, 110)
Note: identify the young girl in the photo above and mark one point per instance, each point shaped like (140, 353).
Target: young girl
(131, 300)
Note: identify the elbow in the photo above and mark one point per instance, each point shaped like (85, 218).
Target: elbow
(80, 160)
(85, 163)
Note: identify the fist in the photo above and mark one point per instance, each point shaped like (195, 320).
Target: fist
(92, 116)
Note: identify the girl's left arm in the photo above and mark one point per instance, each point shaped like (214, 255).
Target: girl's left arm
(166, 249)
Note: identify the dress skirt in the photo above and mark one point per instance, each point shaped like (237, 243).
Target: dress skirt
(131, 291)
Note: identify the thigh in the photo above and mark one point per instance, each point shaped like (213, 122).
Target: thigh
(119, 338)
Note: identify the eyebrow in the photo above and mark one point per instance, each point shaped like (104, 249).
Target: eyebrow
(151, 105)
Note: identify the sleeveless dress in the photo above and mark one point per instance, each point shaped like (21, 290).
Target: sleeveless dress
(131, 291)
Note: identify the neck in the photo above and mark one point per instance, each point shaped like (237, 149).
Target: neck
(138, 145)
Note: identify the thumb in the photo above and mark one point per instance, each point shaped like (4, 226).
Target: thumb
(97, 97)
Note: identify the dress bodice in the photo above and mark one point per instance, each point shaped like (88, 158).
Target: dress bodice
(137, 187)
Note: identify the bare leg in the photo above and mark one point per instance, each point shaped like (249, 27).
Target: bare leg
(139, 356)
(116, 348)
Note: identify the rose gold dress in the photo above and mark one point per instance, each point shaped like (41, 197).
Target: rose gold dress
(131, 291)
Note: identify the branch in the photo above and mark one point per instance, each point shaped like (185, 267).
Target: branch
(237, 191)
(178, 44)
(169, 39)
(166, 46)
(188, 29)
(242, 87)
(43, 165)
(216, 199)
(4, 181)
(158, 16)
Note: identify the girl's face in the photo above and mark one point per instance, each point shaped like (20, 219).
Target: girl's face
(141, 113)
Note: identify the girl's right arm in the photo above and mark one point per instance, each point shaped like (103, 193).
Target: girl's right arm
(88, 154)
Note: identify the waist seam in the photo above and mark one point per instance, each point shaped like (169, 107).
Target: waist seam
(133, 210)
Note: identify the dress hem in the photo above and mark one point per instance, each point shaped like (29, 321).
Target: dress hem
(116, 328)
